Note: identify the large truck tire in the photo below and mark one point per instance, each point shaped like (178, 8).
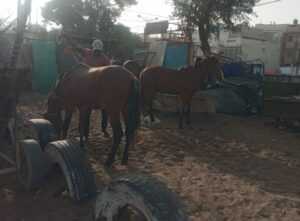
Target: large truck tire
(138, 197)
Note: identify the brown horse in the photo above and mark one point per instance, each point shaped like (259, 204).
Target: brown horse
(185, 83)
(62, 125)
(112, 88)
(133, 67)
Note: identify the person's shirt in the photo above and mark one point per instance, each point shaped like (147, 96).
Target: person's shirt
(95, 61)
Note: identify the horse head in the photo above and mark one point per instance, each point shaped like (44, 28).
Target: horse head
(7, 101)
(53, 113)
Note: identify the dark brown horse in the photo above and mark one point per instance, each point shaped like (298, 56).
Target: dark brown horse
(131, 66)
(112, 88)
(185, 83)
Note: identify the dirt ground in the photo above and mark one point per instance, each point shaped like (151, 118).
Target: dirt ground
(224, 168)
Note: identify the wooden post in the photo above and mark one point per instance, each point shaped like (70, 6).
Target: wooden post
(23, 13)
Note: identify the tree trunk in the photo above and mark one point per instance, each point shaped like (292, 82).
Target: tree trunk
(204, 36)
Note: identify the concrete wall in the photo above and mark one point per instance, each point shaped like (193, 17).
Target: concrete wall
(267, 51)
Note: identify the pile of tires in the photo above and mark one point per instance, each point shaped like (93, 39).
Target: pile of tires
(37, 155)
(127, 197)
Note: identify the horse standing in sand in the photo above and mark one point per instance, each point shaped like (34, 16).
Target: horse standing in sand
(112, 88)
(184, 82)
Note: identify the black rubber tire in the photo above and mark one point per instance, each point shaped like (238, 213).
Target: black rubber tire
(72, 161)
(144, 193)
(45, 131)
(34, 162)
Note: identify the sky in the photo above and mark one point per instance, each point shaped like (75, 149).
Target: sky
(136, 16)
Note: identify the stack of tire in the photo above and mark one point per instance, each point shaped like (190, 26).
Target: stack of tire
(37, 155)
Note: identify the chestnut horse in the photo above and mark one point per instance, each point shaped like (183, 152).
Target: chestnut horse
(112, 88)
(184, 82)
(131, 66)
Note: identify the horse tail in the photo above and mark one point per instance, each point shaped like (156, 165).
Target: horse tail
(133, 108)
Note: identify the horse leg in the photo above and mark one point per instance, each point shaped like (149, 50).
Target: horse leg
(151, 112)
(129, 138)
(117, 135)
(66, 124)
(104, 122)
(185, 99)
(181, 114)
(82, 124)
(87, 124)
(188, 113)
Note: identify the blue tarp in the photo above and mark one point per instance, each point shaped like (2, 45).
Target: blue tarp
(232, 69)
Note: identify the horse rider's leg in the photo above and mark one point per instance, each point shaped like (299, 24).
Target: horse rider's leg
(66, 123)
(87, 124)
(117, 135)
(104, 123)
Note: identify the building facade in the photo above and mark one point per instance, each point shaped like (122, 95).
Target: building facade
(290, 46)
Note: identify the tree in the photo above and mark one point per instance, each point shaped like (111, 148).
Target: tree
(205, 15)
(85, 17)
(123, 42)
(95, 18)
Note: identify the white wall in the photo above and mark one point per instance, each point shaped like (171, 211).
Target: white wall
(267, 51)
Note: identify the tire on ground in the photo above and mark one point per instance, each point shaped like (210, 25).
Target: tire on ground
(143, 193)
(32, 164)
(41, 130)
(71, 158)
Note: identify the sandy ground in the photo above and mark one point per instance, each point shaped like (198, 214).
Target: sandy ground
(223, 167)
